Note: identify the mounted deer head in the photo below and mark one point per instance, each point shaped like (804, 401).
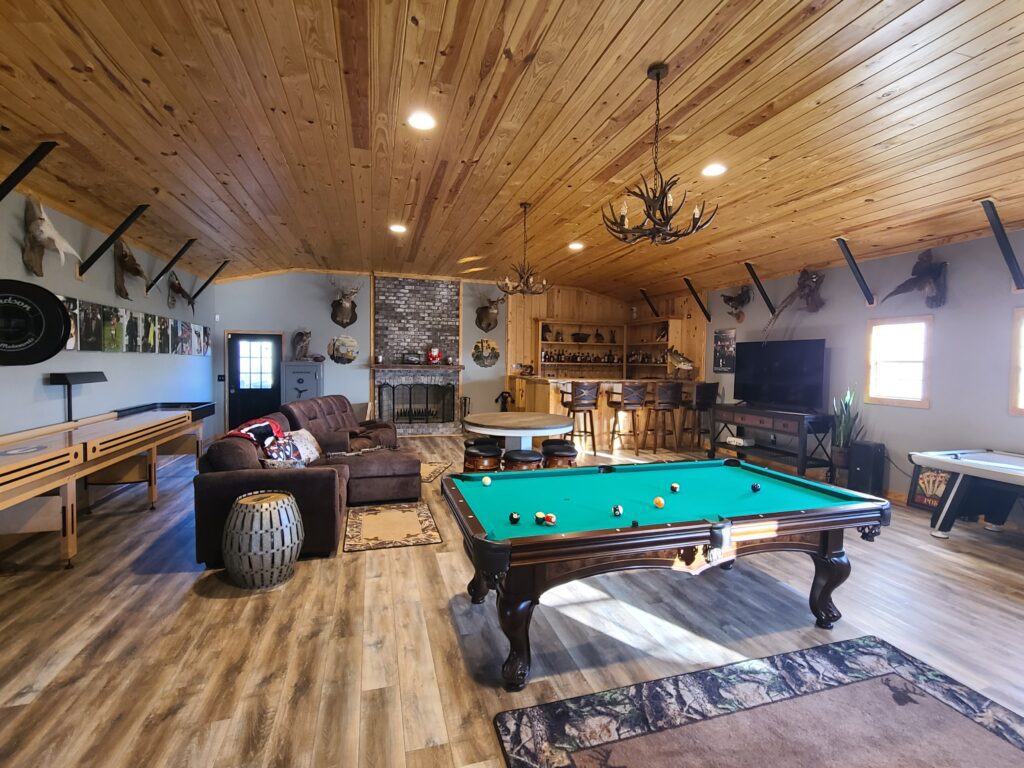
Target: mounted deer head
(487, 315)
(343, 308)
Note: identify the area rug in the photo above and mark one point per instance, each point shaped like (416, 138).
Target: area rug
(431, 470)
(390, 525)
(857, 702)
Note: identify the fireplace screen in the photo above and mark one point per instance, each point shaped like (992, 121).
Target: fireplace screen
(416, 403)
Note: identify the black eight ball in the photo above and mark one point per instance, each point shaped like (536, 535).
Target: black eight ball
(513, 517)
(755, 487)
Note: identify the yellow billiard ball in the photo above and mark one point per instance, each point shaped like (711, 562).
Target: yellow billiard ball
(486, 480)
(659, 502)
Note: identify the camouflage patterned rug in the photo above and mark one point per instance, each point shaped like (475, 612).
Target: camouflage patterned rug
(857, 702)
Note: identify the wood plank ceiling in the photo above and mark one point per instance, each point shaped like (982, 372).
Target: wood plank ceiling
(275, 130)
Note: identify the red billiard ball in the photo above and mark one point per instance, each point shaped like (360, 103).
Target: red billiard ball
(550, 519)
(659, 502)
(674, 487)
(539, 518)
(513, 517)
(755, 487)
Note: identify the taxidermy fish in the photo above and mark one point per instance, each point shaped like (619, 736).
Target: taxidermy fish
(927, 275)
(679, 361)
(808, 285)
(174, 290)
(40, 234)
(124, 264)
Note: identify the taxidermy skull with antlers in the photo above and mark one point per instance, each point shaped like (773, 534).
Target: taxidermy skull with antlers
(125, 264)
(40, 234)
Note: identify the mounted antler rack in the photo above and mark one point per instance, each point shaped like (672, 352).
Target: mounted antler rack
(86, 265)
(869, 297)
(210, 279)
(1004, 243)
(696, 298)
(760, 287)
(170, 265)
(25, 167)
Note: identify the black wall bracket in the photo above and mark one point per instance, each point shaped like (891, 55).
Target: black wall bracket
(170, 265)
(25, 167)
(869, 297)
(760, 287)
(210, 279)
(86, 265)
(696, 297)
(650, 303)
(1004, 243)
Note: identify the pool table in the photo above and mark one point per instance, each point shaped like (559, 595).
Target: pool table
(723, 510)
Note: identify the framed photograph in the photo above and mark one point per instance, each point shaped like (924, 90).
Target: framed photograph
(725, 351)
(929, 488)
(206, 341)
(72, 306)
(90, 327)
(184, 337)
(132, 330)
(172, 336)
(148, 338)
(197, 339)
(114, 321)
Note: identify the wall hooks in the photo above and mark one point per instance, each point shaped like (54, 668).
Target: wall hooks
(170, 265)
(696, 297)
(25, 167)
(760, 287)
(86, 265)
(869, 297)
(1004, 243)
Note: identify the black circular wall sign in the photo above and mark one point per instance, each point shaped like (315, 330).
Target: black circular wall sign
(34, 323)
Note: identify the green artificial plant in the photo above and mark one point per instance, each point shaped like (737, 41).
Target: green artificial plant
(847, 429)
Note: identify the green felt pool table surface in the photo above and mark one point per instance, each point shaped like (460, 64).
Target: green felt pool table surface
(582, 498)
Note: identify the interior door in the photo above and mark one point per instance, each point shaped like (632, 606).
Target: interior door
(254, 375)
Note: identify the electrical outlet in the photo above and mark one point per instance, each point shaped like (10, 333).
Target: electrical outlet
(220, 377)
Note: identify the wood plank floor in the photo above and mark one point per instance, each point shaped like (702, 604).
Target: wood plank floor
(136, 657)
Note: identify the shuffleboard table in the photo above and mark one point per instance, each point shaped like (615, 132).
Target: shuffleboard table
(722, 510)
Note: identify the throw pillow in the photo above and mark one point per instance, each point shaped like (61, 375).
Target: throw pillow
(283, 449)
(283, 463)
(260, 431)
(309, 448)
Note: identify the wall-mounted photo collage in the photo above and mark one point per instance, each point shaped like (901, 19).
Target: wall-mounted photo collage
(99, 328)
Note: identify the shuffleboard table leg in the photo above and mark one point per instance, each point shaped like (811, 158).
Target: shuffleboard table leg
(69, 522)
(514, 615)
(830, 571)
(151, 460)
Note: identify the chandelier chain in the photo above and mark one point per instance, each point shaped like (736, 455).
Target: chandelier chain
(657, 122)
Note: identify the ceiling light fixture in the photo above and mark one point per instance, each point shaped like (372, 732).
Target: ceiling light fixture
(473, 269)
(576, 246)
(526, 280)
(658, 207)
(422, 121)
(715, 169)
(398, 229)
(467, 259)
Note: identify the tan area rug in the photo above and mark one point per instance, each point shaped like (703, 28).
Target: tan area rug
(390, 525)
(431, 470)
(857, 703)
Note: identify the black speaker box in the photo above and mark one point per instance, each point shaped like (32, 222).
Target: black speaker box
(867, 468)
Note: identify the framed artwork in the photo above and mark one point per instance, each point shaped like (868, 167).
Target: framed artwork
(114, 320)
(184, 337)
(148, 339)
(132, 330)
(72, 306)
(90, 327)
(929, 488)
(725, 351)
(206, 341)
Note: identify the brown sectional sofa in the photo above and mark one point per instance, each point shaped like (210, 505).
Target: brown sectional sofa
(231, 467)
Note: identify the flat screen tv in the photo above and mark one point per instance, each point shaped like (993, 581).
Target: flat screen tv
(781, 374)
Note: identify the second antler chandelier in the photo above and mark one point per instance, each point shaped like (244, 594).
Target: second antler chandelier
(659, 208)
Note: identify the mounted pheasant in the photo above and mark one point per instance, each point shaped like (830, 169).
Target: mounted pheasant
(125, 264)
(928, 276)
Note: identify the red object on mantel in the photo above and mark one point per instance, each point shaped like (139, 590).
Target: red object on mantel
(433, 355)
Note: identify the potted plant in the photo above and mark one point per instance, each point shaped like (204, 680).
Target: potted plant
(846, 428)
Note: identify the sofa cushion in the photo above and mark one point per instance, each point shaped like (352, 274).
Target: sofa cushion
(331, 413)
(283, 449)
(384, 463)
(230, 453)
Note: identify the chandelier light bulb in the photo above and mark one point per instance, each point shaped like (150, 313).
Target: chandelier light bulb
(669, 201)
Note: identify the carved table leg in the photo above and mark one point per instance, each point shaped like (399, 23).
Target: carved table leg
(477, 588)
(514, 614)
(829, 572)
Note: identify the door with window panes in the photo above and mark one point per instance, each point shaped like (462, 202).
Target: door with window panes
(254, 375)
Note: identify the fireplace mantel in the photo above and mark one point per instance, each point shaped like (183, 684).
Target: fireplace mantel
(424, 367)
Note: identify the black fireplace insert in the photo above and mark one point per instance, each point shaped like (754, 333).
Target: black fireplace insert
(416, 403)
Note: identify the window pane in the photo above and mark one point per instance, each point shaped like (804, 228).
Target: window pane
(243, 381)
(897, 365)
(267, 381)
(904, 381)
(1020, 362)
(243, 349)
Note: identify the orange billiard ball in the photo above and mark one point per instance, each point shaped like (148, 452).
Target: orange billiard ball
(659, 502)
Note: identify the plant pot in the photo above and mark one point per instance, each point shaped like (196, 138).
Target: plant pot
(840, 457)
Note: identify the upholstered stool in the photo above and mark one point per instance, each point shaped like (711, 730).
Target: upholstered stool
(583, 401)
(482, 458)
(558, 454)
(472, 442)
(519, 460)
(668, 398)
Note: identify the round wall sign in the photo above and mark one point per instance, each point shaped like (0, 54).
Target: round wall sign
(34, 323)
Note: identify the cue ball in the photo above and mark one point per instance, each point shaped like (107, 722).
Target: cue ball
(539, 518)
(486, 480)
(513, 517)
(674, 487)
(617, 510)
(755, 487)
(635, 524)
(659, 502)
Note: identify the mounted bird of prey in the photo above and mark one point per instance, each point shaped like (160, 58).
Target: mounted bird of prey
(737, 302)
(40, 234)
(927, 275)
(808, 285)
(125, 263)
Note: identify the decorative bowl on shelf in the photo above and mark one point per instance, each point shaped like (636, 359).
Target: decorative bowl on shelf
(581, 338)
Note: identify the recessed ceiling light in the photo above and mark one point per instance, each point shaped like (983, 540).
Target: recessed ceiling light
(576, 246)
(397, 228)
(467, 259)
(715, 169)
(473, 269)
(422, 121)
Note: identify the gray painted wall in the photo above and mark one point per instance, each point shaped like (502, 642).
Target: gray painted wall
(482, 385)
(970, 366)
(133, 378)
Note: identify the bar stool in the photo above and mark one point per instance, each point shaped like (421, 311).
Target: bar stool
(583, 400)
(481, 457)
(558, 453)
(704, 398)
(629, 400)
(516, 460)
(668, 398)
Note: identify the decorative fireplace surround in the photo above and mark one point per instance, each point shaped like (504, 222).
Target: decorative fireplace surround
(413, 315)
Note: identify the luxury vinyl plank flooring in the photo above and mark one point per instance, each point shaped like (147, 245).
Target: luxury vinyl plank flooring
(137, 657)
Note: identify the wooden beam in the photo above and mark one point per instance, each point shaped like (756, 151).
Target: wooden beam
(1004, 243)
(696, 297)
(170, 265)
(210, 279)
(25, 167)
(650, 303)
(869, 297)
(86, 265)
(760, 287)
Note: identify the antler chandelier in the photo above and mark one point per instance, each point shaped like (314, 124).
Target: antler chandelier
(526, 280)
(659, 209)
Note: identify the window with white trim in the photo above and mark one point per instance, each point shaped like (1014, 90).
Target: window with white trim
(255, 365)
(898, 361)
(1017, 364)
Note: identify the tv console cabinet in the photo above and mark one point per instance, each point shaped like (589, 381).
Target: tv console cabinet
(810, 430)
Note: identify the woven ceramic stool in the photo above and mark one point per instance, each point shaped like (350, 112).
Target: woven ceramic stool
(262, 538)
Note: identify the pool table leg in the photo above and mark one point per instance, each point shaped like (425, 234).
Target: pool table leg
(514, 615)
(830, 571)
(477, 588)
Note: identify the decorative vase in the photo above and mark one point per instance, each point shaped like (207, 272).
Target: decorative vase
(262, 538)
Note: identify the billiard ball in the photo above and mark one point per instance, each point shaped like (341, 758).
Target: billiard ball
(659, 502)
(550, 519)
(635, 524)
(755, 487)
(486, 480)
(674, 487)
(617, 510)
(513, 517)
(539, 518)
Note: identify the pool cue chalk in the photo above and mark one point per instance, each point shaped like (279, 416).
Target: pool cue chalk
(635, 524)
